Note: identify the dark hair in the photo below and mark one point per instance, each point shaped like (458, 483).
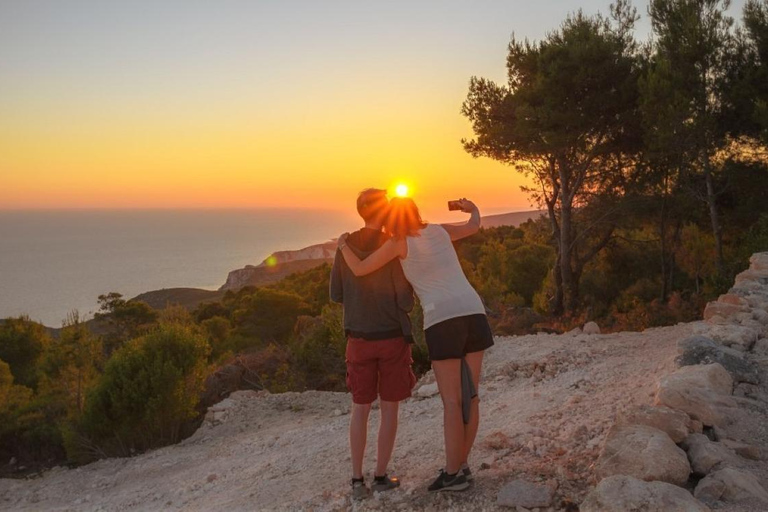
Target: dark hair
(404, 218)
(372, 203)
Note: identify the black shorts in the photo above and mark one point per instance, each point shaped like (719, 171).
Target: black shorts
(455, 337)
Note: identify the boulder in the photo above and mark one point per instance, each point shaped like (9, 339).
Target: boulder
(519, 493)
(642, 452)
(759, 262)
(748, 451)
(696, 350)
(732, 298)
(722, 309)
(711, 377)
(675, 423)
(705, 454)
(761, 347)
(702, 391)
(591, 328)
(628, 494)
(730, 484)
(739, 337)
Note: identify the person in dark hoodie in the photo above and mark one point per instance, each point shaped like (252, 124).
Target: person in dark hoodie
(379, 338)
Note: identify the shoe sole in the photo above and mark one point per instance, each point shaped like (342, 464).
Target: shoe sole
(454, 488)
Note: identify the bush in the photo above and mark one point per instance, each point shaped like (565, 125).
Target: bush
(148, 392)
(22, 343)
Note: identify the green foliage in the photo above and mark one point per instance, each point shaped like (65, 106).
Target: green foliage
(123, 319)
(319, 350)
(149, 389)
(22, 344)
(311, 285)
(268, 314)
(71, 365)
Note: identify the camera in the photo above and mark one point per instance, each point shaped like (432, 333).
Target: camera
(454, 205)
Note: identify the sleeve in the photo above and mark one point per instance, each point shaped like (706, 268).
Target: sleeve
(336, 284)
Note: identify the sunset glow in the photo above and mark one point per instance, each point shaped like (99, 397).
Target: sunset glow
(178, 105)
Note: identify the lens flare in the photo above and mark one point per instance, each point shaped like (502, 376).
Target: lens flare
(401, 190)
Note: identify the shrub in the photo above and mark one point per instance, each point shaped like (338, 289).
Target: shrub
(149, 390)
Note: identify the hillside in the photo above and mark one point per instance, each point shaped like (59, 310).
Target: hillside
(552, 405)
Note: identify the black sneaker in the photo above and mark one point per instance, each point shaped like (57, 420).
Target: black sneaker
(384, 483)
(446, 482)
(359, 489)
(467, 473)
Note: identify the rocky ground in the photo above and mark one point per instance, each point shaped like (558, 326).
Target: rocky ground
(560, 414)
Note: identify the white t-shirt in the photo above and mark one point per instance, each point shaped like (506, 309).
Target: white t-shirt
(433, 269)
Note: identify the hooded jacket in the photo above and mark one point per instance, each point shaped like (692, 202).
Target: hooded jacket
(376, 305)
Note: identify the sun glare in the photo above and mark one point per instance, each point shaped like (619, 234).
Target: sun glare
(401, 190)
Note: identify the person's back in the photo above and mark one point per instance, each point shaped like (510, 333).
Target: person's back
(433, 269)
(375, 306)
(378, 330)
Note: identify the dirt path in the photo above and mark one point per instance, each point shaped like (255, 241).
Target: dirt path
(547, 402)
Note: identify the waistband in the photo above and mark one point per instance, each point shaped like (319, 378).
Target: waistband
(378, 336)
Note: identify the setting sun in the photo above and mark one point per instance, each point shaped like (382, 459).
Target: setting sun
(401, 190)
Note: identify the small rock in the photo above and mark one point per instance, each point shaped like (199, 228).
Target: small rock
(625, 493)
(730, 484)
(212, 477)
(337, 412)
(591, 328)
(427, 390)
(519, 493)
(574, 332)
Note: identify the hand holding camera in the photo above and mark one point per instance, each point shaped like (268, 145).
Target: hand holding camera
(463, 204)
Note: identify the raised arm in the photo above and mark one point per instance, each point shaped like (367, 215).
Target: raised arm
(469, 228)
(383, 255)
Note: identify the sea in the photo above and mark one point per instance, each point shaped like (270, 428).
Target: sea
(55, 261)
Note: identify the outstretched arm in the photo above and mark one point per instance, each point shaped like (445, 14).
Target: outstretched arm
(469, 228)
(383, 255)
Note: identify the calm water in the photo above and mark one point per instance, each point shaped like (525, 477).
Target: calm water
(52, 262)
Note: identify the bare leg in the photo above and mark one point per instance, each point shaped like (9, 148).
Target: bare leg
(358, 433)
(448, 375)
(387, 434)
(475, 363)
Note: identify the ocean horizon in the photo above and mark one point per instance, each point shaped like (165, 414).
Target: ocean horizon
(55, 261)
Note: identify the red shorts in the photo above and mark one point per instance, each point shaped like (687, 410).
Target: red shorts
(379, 368)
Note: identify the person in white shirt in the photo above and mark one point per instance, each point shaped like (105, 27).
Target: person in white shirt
(455, 325)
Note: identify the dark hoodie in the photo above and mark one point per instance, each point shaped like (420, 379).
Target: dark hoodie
(376, 305)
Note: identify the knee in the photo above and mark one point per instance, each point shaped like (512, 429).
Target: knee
(451, 402)
(361, 409)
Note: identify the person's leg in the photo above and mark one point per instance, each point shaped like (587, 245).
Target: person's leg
(387, 434)
(362, 381)
(475, 363)
(448, 375)
(358, 433)
(396, 380)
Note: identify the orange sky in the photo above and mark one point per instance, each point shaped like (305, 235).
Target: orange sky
(103, 109)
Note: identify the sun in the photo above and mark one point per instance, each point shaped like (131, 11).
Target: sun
(401, 190)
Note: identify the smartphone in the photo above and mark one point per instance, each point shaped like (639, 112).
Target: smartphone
(454, 205)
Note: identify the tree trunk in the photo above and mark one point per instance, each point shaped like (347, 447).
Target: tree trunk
(557, 307)
(566, 230)
(714, 217)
